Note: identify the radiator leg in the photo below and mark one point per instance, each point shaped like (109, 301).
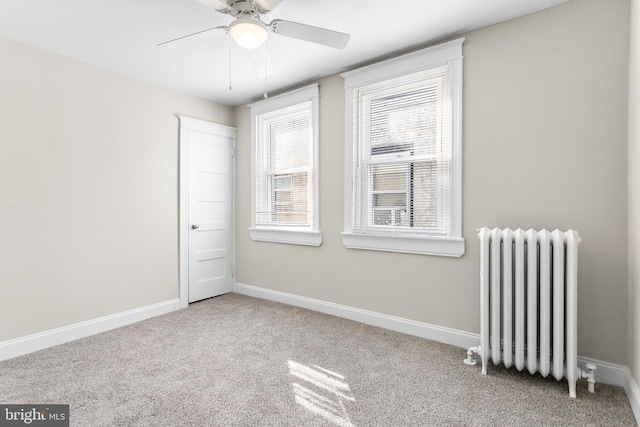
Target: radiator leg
(470, 353)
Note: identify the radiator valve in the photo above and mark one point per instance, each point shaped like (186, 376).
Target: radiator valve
(470, 360)
(590, 376)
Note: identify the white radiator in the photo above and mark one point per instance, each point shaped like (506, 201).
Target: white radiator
(528, 302)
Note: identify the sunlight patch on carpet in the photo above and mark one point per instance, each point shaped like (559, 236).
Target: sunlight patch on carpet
(322, 392)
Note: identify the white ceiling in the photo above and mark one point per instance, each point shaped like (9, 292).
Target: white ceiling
(121, 36)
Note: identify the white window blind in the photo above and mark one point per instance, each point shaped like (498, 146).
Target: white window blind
(284, 134)
(282, 190)
(403, 158)
(403, 153)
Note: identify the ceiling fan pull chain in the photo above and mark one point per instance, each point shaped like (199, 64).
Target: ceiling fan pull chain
(265, 71)
(229, 44)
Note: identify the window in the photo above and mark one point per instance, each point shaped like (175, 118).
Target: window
(403, 131)
(284, 135)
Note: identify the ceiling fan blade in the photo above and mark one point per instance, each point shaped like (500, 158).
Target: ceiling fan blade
(310, 33)
(219, 5)
(265, 6)
(208, 31)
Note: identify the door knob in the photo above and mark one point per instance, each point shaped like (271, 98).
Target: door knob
(195, 226)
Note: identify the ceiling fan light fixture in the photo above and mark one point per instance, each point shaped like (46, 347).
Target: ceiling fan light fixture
(248, 32)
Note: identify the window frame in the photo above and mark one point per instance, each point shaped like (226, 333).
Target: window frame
(300, 235)
(407, 240)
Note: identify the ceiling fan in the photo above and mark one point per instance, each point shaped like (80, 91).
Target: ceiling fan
(250, 32)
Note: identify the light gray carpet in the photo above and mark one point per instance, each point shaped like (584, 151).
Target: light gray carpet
(240, 361)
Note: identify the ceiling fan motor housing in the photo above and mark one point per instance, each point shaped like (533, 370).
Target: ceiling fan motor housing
(240, 8)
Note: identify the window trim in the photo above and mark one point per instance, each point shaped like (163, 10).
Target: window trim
(406, 240)
(304, 235)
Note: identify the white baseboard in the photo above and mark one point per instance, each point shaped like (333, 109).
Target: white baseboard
(30, 343)
(633, 394)
(398, 324)
(607, 373)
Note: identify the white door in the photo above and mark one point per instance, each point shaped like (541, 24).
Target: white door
(209, 224)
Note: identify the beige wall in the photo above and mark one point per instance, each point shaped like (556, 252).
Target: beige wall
(634, 194)
(544, 145)
(89, 184)
(88, 190)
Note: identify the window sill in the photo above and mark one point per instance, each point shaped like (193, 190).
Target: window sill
(293, 237)
(440, 246)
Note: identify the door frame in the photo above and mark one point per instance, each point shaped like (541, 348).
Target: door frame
(187, 124)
